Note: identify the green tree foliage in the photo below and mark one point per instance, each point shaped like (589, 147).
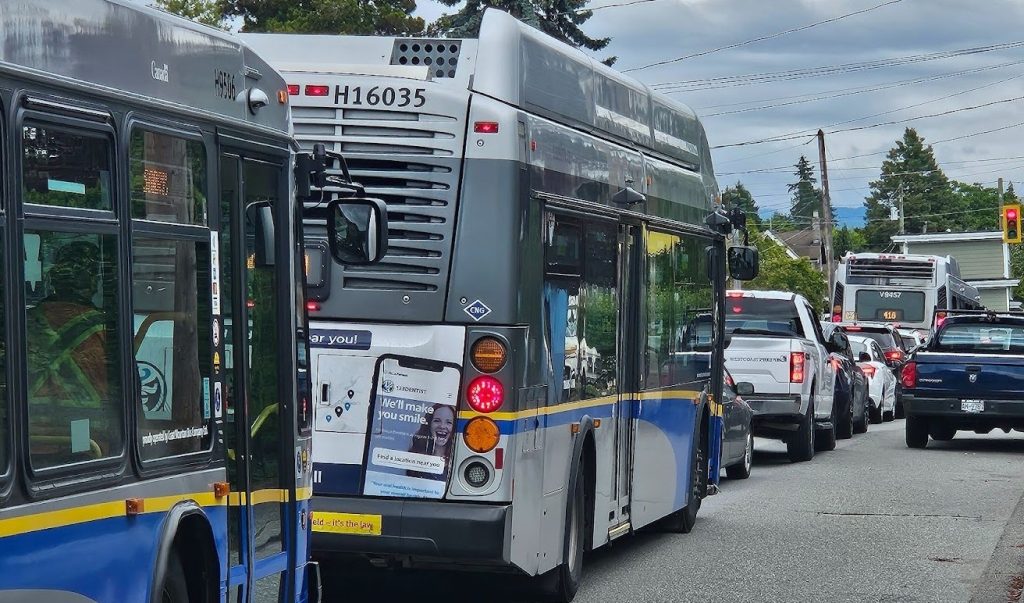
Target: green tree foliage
(558, 18)
(846, 240)
(910, 173)
(207, 12)
(976, 208)
(779, 272)
(779, 222)
(806, 196)
(739, 196)
(381, 17)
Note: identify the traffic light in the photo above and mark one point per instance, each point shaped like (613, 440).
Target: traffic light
(1011, 224)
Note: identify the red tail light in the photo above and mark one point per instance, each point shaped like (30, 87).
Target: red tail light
(485, 394)
(837, 318)
(734, 294)
(797, 360)
(293, 89)
(909, 375)
(894, 355)
(312, 306)
(313, 90)
(485, 127)
(869, 371)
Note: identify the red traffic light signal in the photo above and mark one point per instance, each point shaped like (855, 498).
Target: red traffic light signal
(1011, 224)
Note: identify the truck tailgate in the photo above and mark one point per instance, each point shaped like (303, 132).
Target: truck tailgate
(991, 376)
(762, 361)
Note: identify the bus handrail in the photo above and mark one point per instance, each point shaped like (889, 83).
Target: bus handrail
(140, 336)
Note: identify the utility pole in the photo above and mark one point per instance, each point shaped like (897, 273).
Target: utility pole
(826, 214)
(1000, 192)
(899, 192)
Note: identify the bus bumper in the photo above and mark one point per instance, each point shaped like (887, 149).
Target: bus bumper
(471, 534)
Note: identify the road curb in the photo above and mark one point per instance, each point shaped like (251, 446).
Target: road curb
(1003, 578)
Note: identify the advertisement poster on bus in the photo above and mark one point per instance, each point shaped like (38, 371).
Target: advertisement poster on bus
(412, 438)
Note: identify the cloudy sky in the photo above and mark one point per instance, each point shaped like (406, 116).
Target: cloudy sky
(657, 30)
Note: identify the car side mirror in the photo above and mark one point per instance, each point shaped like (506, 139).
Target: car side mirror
(357, 230)
(744, 263)
(836, 342)
(744, 388)
(864, 357)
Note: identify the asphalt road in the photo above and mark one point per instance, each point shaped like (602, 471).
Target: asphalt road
(870, 521)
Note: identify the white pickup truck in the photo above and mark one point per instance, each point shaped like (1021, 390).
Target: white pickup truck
(779, 358)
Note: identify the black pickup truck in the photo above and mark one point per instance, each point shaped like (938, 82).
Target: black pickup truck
(969, 377)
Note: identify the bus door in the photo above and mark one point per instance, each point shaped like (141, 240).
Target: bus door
(629, 310)
(258, 437)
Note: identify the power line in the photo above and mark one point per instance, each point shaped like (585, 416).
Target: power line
(841, 93)
(761, 38)
(803, 134)
(602, 7)
(788, 168)
(971, 135)
(793, 74)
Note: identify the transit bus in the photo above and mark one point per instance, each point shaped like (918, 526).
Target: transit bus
(524, 376)
(904, 290)
(154, 408)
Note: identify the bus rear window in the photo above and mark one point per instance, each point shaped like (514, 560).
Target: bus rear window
(890, 306)
(752, 316)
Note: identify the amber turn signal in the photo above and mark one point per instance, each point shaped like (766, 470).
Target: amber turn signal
(488, 355)
(481, 434)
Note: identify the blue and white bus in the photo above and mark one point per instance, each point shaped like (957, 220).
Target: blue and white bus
(522, 378)
(154, 404)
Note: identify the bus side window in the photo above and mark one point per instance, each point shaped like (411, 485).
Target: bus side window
(563, 262)
(171, 288)
(598, 314)
(74, 384)
(661, 308)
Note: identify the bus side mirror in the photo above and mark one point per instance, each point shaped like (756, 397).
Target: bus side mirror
(357, 230)
(744, 263)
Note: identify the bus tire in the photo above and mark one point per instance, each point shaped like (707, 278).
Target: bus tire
(560, 584)
(175, 586)
(800, 446)
(917, 432)
(683, 520)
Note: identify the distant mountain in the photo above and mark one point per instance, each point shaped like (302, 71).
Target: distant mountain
(852, 217)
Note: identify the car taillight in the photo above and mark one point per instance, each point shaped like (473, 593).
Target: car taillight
(869, 371)
(894, 355)
(796, 367)
(909, 375)
(485, 394)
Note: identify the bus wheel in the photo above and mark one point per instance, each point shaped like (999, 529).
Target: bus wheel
(560, 584)
(175, 586)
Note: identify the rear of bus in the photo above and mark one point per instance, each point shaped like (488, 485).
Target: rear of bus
(415, 370)
(902, 290)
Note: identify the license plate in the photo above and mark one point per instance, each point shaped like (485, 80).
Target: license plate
(972, 405)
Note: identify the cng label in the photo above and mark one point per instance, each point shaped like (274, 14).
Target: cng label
(477, 310)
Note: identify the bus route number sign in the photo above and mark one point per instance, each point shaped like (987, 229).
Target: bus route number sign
(380, 95)
(890, 315)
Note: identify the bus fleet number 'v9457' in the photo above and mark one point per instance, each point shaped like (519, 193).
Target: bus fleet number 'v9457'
(380, 95)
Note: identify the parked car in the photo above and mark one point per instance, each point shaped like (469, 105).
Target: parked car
(851, 391)
(896, 353)
(970, 377)
(779, 358)
(737, 438)
(881, 380)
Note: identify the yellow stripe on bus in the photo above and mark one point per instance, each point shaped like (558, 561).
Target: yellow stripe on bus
(158, 504)
(570, 406)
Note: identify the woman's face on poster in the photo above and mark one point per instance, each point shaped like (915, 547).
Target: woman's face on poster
(442, 424)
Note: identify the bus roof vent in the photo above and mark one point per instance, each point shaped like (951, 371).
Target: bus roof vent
(890, 268)
(440, 56)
